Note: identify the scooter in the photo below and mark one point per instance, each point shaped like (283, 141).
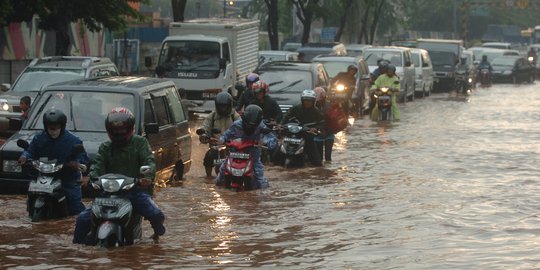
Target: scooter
(341, 93)
(292, 144)
(485, 77)
(463, 82)
(114, 222)
(239, 171)
(221, 150)
(45, 198)
(383, 99)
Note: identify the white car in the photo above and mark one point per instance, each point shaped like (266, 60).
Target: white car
(423, 72)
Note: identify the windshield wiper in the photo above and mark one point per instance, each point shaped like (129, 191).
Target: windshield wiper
(274, 83)
(205, 65)
(288, 86)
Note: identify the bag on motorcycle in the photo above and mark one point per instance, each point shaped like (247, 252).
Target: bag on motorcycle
(335, 119)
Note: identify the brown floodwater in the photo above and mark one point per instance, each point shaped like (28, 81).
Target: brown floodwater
(454, 185)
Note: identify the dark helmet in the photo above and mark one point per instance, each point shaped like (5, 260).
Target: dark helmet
(54, 116)
(120, 124)
(352, 67)
(224, 103)
(251, 119)
(391, 68)
(251, 78)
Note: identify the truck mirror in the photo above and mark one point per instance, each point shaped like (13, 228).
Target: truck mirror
(200, 131)
(222, 63)
(22, 144)
(4, 87)
(148, 61)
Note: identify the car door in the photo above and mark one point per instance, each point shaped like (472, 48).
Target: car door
(157, 111)
(182, 138)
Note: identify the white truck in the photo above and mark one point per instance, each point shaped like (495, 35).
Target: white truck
(207, 56)
(445, 55)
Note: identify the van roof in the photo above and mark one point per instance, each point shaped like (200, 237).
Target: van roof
(114, 83)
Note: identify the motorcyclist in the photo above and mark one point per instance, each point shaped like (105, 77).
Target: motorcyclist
(222, 118)
(55, 142)
(250, 127)
(325, 139)
(307, 114)
(531, 54)
(271, 111)
(124, 154)
(390, 80)
(346, 77)
(382, 67)
(247, 96)
(462, 72)
(484, 64)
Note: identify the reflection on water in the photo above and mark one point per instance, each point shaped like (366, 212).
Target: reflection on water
(453, 185)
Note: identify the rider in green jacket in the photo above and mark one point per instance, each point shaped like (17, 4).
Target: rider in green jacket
(390, 80)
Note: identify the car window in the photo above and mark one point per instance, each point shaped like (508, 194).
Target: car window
(426, 60)
(406, 58)
(149, 117)
(416, 59)
(226, 52)
(321, 77)
(35, 79)
(175, 105)
(363, 68)
(159, 103)
(371, 57)
(289, 81)
(333, 68)
(86, 111)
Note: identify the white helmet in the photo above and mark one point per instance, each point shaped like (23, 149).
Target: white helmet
(308, 94)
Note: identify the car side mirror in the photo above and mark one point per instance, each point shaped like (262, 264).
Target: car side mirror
(15, 123)
(5, 87)
(200, 131)
(148, 61)
(22, 144)
(222, 63)
(151, 128)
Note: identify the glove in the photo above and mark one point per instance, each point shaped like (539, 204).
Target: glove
(22, 160)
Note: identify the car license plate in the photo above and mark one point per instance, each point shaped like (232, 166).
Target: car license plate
(292, 140)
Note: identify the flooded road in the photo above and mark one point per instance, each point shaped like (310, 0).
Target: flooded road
(454, 185)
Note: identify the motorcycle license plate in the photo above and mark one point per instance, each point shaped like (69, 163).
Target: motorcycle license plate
(342, 95)
(43, 184)
(239, 155)
(292, 140)
(218, 161)
(384, 98)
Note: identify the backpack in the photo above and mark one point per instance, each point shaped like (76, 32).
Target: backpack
(335, 118)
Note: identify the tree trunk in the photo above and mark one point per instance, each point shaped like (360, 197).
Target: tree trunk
(272, 24)
(178, 8)
(363, 27)
(62, 39)
(375, 21)
(307, 26)
(347, 6)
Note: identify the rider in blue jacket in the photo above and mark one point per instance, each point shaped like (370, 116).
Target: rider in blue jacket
(55, 142)
(250, 127)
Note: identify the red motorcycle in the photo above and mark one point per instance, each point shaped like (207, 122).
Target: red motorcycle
(485, 77)
(239, 165)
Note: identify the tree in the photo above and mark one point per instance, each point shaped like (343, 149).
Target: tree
(346, 5)
(306, 11)
(272, 23)
(178, 9)
(56, 15)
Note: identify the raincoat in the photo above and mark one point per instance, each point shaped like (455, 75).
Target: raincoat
(385, 81)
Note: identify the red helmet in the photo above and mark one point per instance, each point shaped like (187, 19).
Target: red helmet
(120, 124)
(259, 86)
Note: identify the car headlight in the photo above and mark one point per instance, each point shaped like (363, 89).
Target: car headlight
(4, 105)
(11, 166)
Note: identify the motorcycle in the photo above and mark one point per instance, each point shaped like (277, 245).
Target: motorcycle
(341, 93)
(485, 77)
(383, 99)
(463, 82)
(45, 198)
(292, 145)
(239, 171)
(221, 150)
(114, 222)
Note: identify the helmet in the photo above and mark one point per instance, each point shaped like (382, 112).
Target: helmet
(259, 86)
(308, 94)
(383, 64)
(392, 68)
(120, 124)
(352, 67)
(484, 57)
(54, 116)
(223, 102)
(251, 119)
(251, 78)
(320, 92)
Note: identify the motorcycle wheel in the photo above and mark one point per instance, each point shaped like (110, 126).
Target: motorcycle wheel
(287, 162)
(36, 216)
(108, 242)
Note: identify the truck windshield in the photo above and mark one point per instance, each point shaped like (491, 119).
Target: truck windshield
(190, 59)
(442, 58)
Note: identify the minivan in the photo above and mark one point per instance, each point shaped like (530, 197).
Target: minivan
(423, 72)
(159, 116)
(400, 57)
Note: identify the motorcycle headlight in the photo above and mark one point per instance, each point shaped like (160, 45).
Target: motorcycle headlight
(340, 87)
(11, 166)
(384, 89)
(530, 58)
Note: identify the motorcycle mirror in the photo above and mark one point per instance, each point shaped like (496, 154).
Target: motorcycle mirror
(77, 149)
(200, 131)
(396, 82)
(22, 144)
(216, 131)
(145, 169)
